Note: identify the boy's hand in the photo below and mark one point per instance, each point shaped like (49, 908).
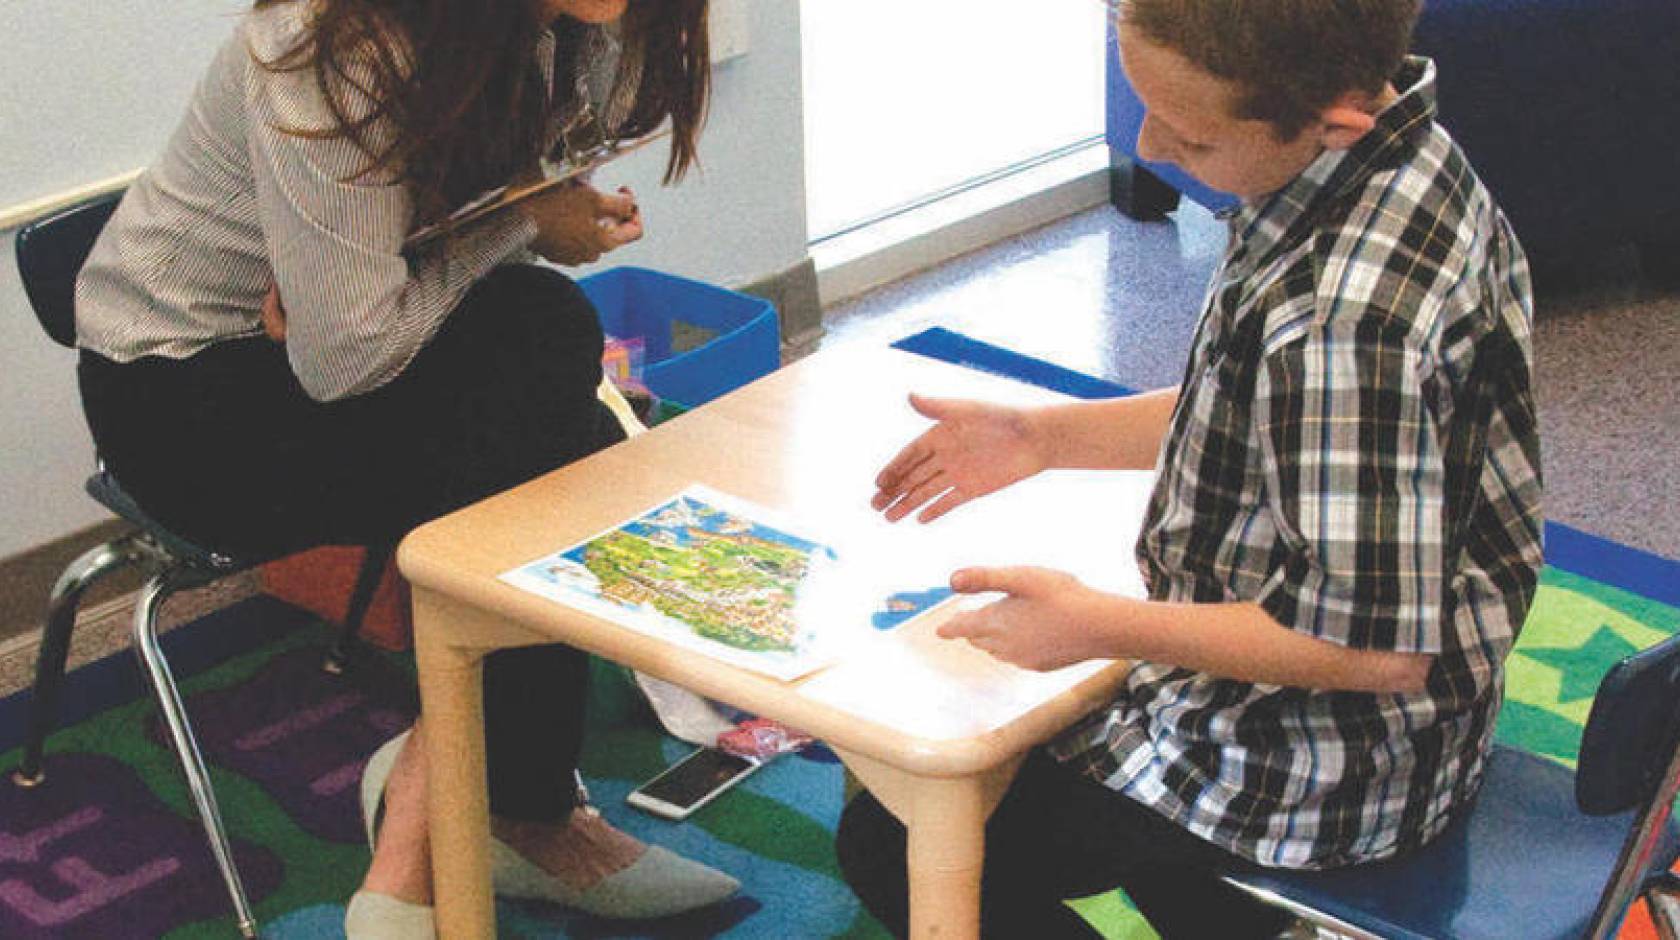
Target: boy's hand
(975, 448)
(1044, 622)
(578, 224)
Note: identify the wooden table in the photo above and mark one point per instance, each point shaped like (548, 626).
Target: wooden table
(935, 729)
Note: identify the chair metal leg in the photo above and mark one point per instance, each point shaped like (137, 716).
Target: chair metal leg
(1662, 899)
(1629, 874)
(55, 645)
(1138, 193)
(374, 561)
(162, 681)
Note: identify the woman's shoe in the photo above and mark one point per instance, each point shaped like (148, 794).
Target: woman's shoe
(374, 916)
(374, 776)
(658, 884)
(370, 915)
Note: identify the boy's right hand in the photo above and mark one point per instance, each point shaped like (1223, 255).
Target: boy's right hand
(577, 224)
(975, 448)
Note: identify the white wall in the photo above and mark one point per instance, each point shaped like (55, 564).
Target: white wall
(741, 214)
(92, 90)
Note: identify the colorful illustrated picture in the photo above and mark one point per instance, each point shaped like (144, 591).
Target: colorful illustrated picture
(704, 570)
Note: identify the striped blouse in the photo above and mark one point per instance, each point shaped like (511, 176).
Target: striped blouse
(235, 205)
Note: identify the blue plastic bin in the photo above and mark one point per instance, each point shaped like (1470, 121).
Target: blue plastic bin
(637, 302)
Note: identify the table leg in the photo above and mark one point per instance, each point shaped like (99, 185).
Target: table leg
(945, 821)
(452, 702)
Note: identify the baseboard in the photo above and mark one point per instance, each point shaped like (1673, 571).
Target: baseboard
(794, 292)
(104, 620)
(101, 629)
(106, 627)
(27, 578)
(892, 248)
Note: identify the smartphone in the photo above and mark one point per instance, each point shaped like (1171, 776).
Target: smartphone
(691, 783)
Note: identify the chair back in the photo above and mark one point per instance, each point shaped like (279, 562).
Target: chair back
(1630, 760)
(1632, 732)
(50, 253)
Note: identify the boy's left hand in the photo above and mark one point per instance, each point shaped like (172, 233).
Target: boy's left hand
(1044, 622)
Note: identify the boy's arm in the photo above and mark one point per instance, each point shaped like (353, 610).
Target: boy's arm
(1109, 434)
(1241, 641)
(976, 448)
(1048, 619)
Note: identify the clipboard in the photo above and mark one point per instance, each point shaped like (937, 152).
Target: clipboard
(555, 174)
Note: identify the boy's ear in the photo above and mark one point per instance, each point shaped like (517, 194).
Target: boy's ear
(1346, 120)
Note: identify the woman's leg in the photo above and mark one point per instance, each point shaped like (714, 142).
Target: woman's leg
(534, 699)
(227, 449)
(506, 392)
(1057, 835)
(219, 447)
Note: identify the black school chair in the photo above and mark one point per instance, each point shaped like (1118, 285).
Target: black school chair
(1543, 853)
(50, 253)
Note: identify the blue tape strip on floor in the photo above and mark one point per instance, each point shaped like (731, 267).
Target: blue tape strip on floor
(1600, 559)
(957, 349)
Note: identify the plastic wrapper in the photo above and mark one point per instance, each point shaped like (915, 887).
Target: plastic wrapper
(762, 739)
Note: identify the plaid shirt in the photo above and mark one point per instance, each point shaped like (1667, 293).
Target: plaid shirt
(1354, 449)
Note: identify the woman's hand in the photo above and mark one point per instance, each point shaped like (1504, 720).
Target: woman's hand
(274, 315)
(1046, 620)
(975, 448)
(577, 224)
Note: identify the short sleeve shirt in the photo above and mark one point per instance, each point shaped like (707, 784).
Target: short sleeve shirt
(1354, 449)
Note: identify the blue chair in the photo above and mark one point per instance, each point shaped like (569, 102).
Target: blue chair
(1142, 189)
(50, 253)
(1543, 853)
(1541, 95)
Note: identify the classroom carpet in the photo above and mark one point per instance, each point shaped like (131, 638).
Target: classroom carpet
(111, 848)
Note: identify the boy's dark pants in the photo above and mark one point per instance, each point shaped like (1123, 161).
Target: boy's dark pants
(226, 448)
(1059, 835)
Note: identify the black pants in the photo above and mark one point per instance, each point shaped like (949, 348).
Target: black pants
(1058, 835)
(226, 449)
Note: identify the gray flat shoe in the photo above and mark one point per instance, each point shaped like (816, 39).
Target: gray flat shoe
(658, 884)
(374, 776)
(372, 916)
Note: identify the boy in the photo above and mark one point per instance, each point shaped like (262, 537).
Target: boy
(1345, 534)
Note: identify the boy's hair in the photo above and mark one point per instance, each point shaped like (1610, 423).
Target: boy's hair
(1290, 58)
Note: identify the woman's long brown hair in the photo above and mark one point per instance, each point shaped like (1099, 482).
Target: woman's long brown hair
(458, 84)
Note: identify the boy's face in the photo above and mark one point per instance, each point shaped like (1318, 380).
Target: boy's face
(1190, 121)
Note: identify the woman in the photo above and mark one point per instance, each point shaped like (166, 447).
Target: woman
(394, 383)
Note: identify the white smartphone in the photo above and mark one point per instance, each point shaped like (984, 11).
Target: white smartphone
(691, 783)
